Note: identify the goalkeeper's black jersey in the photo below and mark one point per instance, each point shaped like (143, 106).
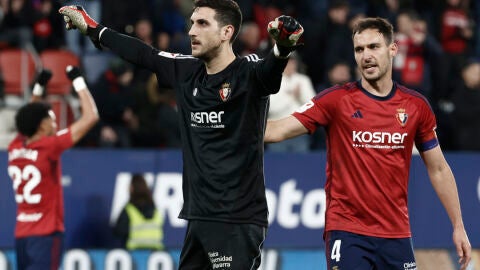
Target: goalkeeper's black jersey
(222, 124)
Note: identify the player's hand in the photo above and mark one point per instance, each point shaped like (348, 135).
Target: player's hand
(463, 247)
(41, 81)
(73, 72)
(77, 18)
(287, 33)
(44, 77)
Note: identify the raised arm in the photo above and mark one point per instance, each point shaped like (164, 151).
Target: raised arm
(287, 33)
(443, 182)
(129, 48)
(89, 115)
(283, 129)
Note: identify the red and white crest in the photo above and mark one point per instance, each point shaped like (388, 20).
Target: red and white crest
(402, 117)
(225, 91)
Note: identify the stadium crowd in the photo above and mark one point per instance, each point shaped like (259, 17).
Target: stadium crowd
(439, 56)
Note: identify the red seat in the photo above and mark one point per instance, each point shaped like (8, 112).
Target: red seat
(57, 61)
(63, 111)
(17, 67)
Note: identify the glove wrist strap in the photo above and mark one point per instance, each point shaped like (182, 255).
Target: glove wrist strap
(281, 52)
(37, 90)
(79, 84)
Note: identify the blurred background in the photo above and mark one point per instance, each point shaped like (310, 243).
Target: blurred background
(439, 56)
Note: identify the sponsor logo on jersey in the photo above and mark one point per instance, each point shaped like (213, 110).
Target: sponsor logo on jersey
(225, 91)
(378, 139)
(207, 119)
(402, 117)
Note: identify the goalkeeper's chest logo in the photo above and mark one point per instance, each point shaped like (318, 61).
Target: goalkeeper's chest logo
(402, 117)
(225, 92)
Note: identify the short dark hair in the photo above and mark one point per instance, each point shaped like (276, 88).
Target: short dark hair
(227, 12)
(30, 116)
(380, 24)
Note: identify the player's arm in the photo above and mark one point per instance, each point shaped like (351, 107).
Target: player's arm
(443, 182)
(89, 110)
(283, 129)
(131, 49)
(40, 83)
(287, 33)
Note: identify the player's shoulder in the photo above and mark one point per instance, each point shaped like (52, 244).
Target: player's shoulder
(412, 94)
(338, 90)
(251, 58)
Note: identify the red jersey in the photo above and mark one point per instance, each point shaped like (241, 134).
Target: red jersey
(369, 149)
(36, 173)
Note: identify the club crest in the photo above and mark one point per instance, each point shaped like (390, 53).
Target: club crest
(225, 91)
(402, 117)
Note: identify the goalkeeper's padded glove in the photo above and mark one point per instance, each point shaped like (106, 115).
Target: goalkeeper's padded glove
(73, 72)
(42, 79)
(287, 33)
(77, 18)
(75, 75)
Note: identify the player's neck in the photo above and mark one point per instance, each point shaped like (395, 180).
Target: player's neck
(35, 137)
(379, 88)
(221, 61)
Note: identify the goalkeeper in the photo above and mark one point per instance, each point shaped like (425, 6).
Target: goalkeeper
(222, 103)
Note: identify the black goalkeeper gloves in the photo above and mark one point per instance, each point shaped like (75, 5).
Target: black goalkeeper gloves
(77, 18)
(287, 33)
(42, 80)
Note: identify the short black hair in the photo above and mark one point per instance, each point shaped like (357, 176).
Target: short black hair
(227, 12)
(30, 116)
(380, 24)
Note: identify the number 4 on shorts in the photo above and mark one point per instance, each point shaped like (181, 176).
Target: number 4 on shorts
(336, 250)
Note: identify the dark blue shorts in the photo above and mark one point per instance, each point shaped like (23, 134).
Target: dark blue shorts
(39, 252)
(345, 250)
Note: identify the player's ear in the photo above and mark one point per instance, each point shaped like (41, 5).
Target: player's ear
(227, 32)
(393, 48)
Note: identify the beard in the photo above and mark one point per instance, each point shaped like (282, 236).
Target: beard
(208, 53)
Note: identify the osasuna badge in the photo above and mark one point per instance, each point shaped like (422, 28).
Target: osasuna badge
(225, 91)
(402, 117)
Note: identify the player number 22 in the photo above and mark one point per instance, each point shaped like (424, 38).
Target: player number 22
(336, 250)
(32, 176)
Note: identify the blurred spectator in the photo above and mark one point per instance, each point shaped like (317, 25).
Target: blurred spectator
(337, 74)
(456, 35)
(113, 93)
(416, 63)
(387, 9)
(296, 89)
(338, 35)
(140, 225)
(248, 39)
(466, 100)
(48, 29)
(122, 15)
(157, 116)
(17, 23)
(143, 30)
(162, 41)
(263, 13)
